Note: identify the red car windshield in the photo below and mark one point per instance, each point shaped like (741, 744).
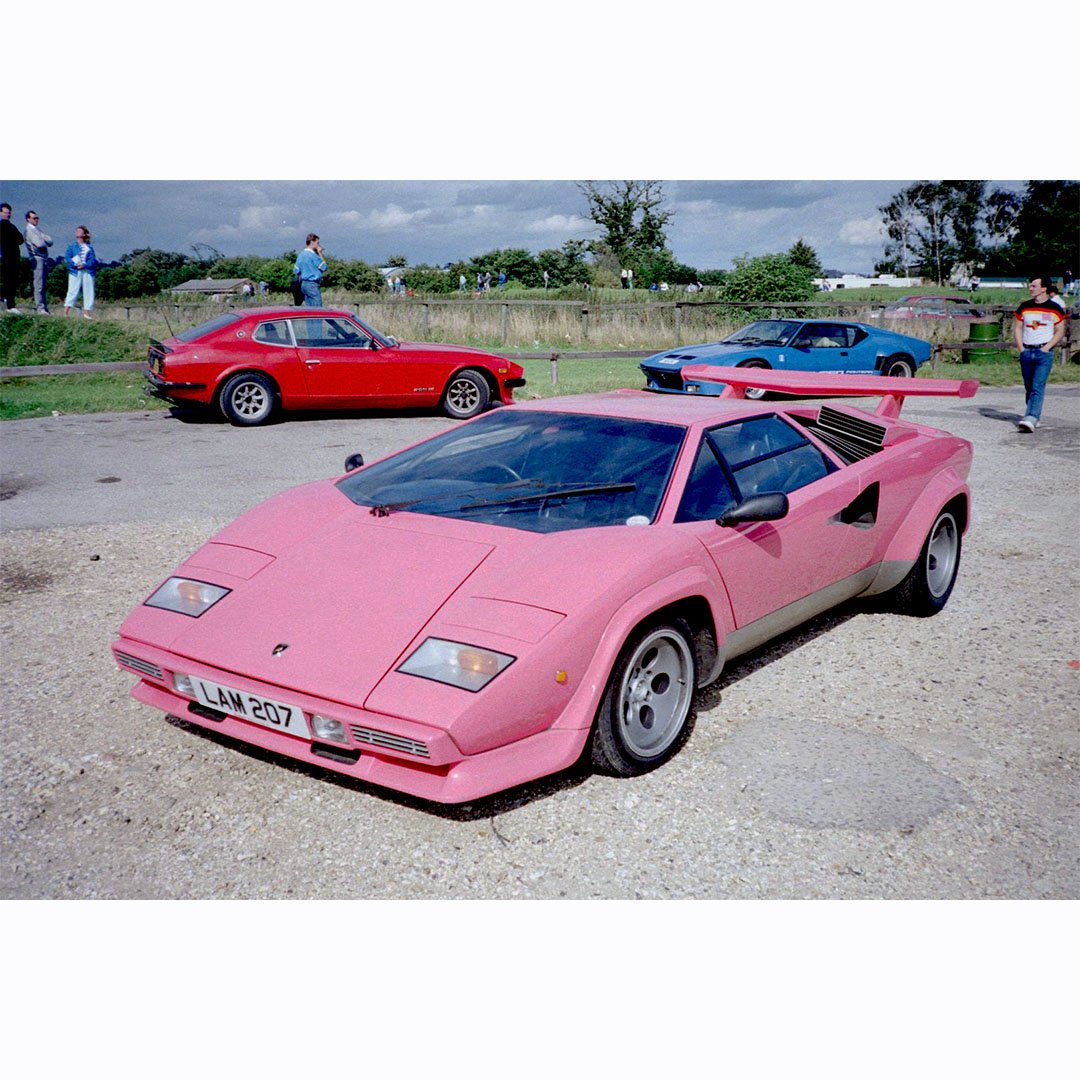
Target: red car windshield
(538, 471)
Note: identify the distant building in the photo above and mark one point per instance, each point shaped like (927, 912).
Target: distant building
(217, 288)
(860, 281)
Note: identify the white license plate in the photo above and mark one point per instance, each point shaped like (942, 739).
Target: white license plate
(259, 710)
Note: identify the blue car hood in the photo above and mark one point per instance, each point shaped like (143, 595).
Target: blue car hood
(673, 359)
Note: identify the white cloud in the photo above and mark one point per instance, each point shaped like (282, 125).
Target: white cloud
(560, 223)
(391, 217)
(862, 231)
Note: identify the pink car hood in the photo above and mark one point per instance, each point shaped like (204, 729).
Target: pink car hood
(346, 600)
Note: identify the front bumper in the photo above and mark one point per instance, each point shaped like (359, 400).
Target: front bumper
(384, 750)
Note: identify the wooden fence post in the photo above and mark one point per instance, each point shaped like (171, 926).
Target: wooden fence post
(678, 324)
(424, 321)
(504, 323)
(585, 324)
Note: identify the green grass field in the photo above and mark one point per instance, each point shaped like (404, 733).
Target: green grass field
(23, 398)
(27, 341)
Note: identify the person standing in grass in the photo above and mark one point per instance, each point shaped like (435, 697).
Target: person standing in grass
(10, 240)
(311, 266)
(1039, 326)
(82, 266)
(37, 248)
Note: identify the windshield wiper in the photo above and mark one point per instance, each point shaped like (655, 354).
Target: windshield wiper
(579, 491)
(385, 509)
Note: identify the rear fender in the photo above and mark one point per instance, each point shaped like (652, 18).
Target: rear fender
(947, 487)
(679, 588)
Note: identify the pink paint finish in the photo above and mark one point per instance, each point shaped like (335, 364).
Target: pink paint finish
(352, 594)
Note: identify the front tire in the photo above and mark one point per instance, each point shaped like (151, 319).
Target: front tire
(753, 392)
(643, 719)
(248, 399)
(898, 367)
(929, 583)
(467, 394)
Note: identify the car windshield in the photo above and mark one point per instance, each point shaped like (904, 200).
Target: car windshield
(765, 332)
(538, 471)
(209, 327)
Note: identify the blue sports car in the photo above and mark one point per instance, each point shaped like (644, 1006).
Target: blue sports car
(791, 345)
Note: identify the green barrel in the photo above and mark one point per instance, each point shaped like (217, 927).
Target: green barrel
(986, 330)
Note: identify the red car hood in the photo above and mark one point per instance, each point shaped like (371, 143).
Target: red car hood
(447, 350)
(347, 600)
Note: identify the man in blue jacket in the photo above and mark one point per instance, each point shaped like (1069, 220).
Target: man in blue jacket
(311, 266)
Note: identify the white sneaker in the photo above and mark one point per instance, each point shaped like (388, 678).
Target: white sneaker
(1027, 424)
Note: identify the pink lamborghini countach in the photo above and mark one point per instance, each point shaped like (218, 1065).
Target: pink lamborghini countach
(551, 580)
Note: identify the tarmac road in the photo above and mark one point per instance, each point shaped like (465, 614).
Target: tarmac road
(864, 756)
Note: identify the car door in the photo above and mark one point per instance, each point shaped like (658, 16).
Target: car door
(821, 346)
(772, 567)
(341, 367)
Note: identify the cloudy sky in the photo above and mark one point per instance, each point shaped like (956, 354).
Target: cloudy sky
(427, 221)
(754, 150)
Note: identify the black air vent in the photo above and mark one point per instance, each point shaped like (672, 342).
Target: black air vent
(853, 437)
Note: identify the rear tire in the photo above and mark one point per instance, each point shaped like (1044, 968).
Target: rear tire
(753, 392)
(898, 367)
(644, 717)
(929, 583)
(248, 399)
(467, 394)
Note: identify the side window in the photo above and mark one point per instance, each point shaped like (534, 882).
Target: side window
(766, 454)
(329, 334)
(275, 332)
(708, 491)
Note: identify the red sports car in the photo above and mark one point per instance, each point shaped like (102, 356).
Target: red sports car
(249, 364)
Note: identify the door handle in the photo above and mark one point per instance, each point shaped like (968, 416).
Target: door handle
(312, 363)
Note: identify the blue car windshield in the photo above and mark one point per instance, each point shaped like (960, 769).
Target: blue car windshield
(765, 332)
(538, 471)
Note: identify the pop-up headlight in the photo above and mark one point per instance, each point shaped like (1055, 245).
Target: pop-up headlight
(187, 597)
(466, 666)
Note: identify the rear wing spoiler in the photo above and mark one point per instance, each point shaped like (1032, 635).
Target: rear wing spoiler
(892, 391)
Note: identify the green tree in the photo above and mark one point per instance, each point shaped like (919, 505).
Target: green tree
(1041, 227)
(802, 254)
(632, 217)
(767, 279)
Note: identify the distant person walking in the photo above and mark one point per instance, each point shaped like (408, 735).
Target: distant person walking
(82, 266)
(461, 283)
(1039, 326)
(10, 241)
(37, 250)
(311, 266)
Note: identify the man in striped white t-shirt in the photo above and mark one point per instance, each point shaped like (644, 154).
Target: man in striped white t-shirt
(1039, 326)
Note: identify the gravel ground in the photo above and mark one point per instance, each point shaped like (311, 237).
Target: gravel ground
(864, 756)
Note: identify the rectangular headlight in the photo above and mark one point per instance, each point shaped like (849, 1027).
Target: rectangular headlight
(466, 666)
(187, 597)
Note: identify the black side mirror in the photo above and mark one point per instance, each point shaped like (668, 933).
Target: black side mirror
(768, 507)
(353, 462)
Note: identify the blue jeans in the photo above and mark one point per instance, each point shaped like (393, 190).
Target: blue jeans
(1035, 365)
(312, 293)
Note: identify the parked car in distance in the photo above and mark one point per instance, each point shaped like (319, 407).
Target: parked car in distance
(790, 345)
(250, 363)
(933, 307)
(483, 608)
